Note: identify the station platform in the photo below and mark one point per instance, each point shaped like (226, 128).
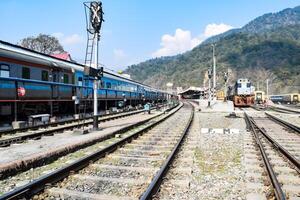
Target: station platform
(215, 105)
(50, 145)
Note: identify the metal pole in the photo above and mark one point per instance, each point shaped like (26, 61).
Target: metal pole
(209, 92)
(51, 108)
(267, 88)
(209, 73)
(225, 85)
(214, 69)
(199, 99)
(16, 110)
(95, 124)
(225, 91)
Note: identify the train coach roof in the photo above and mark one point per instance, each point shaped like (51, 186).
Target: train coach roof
(18, 52)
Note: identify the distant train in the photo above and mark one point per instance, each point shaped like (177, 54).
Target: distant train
(242, 93)
(260, 97)
(32, 83)
(293, 98)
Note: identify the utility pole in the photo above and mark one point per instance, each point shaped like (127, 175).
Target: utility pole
(267, 88)
(214, 69)
(209, 87)
(225, 85)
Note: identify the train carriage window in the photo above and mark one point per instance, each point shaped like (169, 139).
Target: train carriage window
(108, 85)
(79, 81)
(113, 86)
(73, 79)
(54, 78)
(66, 78)
(4, 71)
(45, 75)
(25, 73)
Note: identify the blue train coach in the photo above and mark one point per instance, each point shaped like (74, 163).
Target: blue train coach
(33, 83)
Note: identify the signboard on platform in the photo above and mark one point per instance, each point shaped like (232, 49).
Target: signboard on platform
(21, 92)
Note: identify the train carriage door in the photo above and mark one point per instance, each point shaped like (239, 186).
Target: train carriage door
(55, 79)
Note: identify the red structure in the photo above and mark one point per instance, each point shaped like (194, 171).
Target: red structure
(240, 100)
(63, 56)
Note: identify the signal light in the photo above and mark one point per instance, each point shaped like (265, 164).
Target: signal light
(96, 15)
(100, 72)
(96, 73)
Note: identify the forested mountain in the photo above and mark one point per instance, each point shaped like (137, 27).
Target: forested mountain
(267, 47)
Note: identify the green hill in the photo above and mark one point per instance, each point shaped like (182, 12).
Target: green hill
(267, 47)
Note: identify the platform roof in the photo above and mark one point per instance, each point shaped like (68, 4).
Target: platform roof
(193, 90)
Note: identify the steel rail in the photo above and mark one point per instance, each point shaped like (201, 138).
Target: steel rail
(39, 184)
(256, 108)
(20, 138)
(25, 166)
(289, 156)
(284, 123)
(156, 181)
(279, 194)
(285, 109)
(35, 127)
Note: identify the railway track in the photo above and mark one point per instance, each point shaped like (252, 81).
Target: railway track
(276, 109)
(179, 177)
(279, 149)
(36, 132)
(284, 110)
(138, 166)
(284, 123)
(63, 122)
(51, 151)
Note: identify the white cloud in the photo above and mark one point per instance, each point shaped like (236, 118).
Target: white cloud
(179, 43)
(183, 41)
(215, 29)
(68, 39)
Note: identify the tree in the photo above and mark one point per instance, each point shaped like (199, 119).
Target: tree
(43, 43)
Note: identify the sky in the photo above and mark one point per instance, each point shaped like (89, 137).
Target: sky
(134, 30)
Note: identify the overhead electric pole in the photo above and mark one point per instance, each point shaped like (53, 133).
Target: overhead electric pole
(214, 68)
(209, 87)
(225, 85)
(267, 88)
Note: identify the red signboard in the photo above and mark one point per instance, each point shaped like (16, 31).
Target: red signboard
(21, 92)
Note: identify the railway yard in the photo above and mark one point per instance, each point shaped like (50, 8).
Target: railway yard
(182, 152)
(76, 129)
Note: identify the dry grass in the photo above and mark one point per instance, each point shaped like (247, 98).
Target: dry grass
(211, 161)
